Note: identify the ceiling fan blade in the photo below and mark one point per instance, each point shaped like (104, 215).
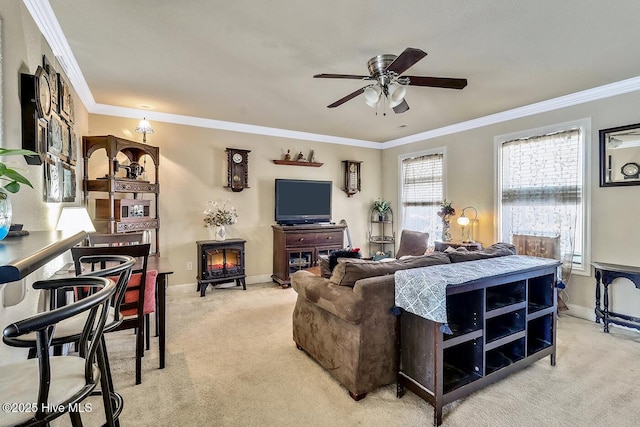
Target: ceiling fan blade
(401, 108)
(443, 82)
(339, 76)
(402, 63)
(346, 98)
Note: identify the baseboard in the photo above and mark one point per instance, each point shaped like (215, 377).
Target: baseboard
(250, 280)
(579, 311)
(588, 314)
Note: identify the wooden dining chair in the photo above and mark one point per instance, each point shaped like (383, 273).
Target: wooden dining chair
(123, 239)
(139, 299)
(116, 239)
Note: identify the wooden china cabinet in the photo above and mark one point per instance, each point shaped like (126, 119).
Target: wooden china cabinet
(131, 202)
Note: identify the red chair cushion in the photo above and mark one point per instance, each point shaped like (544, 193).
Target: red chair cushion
(149, 293)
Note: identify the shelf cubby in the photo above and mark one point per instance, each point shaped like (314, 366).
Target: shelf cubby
(541, 293)
(505, 355)
(464, 313)
(462, 364)
(505, 295)
(539, 334)
(507, 324)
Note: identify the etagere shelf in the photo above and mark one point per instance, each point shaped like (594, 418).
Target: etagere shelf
(130, 216)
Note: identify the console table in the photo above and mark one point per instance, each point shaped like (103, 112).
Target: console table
(466, 325)
(607, 273)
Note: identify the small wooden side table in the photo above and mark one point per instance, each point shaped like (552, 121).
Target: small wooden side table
(455, 244)
(606, 273)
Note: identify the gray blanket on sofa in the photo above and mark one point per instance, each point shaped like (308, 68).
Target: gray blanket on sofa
(423, 291)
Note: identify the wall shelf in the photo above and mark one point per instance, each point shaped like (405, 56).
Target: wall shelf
(295, 163)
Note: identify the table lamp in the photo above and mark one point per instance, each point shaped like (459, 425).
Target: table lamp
(464, 221)
(73, 220)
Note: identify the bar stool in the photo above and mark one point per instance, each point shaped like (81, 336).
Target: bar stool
(46, 387)
(70, 330)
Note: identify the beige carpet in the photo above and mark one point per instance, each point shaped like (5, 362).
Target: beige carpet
(231, 362)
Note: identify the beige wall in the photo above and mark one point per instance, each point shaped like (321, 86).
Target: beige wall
(193, 169)
(470, 180)
(22, 50)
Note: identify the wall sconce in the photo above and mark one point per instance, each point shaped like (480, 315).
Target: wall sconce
(351, 176)
(464, 221)
(144, 128)
(73, 220)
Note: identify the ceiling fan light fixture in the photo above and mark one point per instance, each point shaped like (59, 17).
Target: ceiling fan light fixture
(396, 94)
(372, 95)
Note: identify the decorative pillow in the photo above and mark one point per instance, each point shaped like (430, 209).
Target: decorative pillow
(495, 250)
(348, 271)
(412, 243)
(325, 271)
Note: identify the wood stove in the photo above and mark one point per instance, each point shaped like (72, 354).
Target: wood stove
(220, 262)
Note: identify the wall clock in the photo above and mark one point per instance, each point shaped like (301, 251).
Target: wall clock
(237, 169)
(351, 176)
(36, 105)
(630, 170)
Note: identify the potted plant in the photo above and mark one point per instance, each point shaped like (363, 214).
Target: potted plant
(13, 186)
(382, 207)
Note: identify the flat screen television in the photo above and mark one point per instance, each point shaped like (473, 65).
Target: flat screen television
(300, 201)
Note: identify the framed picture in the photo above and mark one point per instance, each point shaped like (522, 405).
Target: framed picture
(74, 144)
(52, 180)
(55, 142)
(68, 183)
(66, 141)
(53, 83)
(64, 97)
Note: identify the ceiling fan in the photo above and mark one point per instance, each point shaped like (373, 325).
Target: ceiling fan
(388, 84)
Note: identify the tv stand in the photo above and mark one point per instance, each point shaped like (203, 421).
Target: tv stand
(298, 247)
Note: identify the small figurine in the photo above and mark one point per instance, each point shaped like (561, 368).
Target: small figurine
(311, 157)
(301, 157)
(287, 157)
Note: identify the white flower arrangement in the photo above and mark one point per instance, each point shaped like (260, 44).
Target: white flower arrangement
(217, 215)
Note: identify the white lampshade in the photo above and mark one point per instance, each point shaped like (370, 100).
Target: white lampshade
(144, 127)
(73, 220)
(463, 220)
(396, 94)
(372, 95)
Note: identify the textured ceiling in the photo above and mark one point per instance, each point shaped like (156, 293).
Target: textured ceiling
(253, 62)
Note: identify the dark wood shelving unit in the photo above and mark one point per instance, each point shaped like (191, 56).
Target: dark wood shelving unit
(500, 325)
(107, 221)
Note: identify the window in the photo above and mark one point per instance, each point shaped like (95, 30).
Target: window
(422, 192)
(542, 188)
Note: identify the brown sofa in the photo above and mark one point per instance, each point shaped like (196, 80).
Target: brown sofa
(345, 321)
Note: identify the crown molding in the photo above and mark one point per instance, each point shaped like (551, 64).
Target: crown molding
(47, 22)
(111, 110)
(594, 94)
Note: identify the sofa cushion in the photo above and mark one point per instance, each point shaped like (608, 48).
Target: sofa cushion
(412, 243)
(495, 250)
(325, 270)
(348, 271)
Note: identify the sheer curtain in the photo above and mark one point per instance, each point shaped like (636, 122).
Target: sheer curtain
(541, 191)
(422, 193)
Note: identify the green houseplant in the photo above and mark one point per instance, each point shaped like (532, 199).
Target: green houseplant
(14, 179)
(8, 174)
(382, 206)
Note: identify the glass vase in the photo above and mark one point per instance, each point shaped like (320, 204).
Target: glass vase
(446, 230)
(5, 214)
